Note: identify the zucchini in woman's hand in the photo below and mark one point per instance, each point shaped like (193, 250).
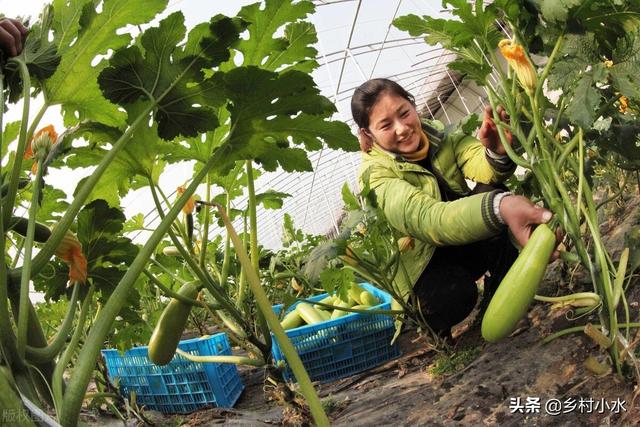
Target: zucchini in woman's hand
(517, 289)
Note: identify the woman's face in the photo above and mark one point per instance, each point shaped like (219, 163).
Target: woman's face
(394, 124)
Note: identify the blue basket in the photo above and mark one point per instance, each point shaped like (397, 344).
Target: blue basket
(181, 386)
(344, 346)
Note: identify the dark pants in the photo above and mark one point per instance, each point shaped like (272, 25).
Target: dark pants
(447, 291)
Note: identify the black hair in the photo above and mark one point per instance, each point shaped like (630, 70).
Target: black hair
(367, 94)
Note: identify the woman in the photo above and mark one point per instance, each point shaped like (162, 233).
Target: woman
(418, 175)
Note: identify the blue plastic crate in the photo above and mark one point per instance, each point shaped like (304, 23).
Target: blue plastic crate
(344, 346)
(181, 386)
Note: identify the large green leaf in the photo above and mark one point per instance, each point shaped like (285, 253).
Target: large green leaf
(82, 34)
(157, 70)
(263, 49)
(108, 253)
(138, 159)
(626, 64)
(271, 199)
(557, 10)
(269, 124)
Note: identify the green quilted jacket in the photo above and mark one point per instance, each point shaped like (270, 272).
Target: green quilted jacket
(412, 203)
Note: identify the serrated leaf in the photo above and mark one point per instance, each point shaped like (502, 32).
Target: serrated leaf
(269, 124)
(53, 205)
(293, 51)
(349, 199)
(134, 223)
(108, 254)
(74, 83)
(470, 124)
(159, 71)
(582, 108)
(337, 280)
(626, 63)
(131, 167)
(271, 199)
(557, 10)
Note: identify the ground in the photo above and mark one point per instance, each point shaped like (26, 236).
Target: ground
(477, 383)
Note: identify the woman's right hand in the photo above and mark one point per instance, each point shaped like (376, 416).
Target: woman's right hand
(521, 216)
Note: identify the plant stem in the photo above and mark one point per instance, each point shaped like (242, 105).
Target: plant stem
(58, 380)
(48, 353)
(168, 292)
(10, 198)
(289, 351)
(236, 360)
(23, 315)
(255, 250)
(205, 233)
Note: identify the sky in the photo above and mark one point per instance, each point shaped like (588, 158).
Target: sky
(316, 203)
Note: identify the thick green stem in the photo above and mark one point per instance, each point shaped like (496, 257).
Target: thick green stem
(205, 234)
(547, 67)
(48, 353)
(58, 379)
(255, 250)
(226, 262)
(25, 280)
(94, 342)
(264, 305)
(10, 197)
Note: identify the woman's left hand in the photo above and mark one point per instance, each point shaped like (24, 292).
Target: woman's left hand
(488, 133)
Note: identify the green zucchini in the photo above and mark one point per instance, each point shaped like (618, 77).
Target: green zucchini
(324, 313)
(368, 298)
(291, 320)
(19, 225)
(309, 314)
(355, 292)
(339, 313)
(519, 285)
(167, 333)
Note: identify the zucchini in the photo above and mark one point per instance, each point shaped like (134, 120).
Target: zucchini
(171, 251)
(167, 333)
(339, 313)
(325, 314)
(309, 314)
(329, 300)
(355, 291)
(518, 287)
(368, 298)
(291, 320)
(361, 307)
(19, 225)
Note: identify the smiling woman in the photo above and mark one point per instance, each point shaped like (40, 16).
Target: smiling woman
(418, 173)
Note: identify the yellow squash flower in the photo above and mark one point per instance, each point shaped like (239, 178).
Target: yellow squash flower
(608, 63)
(40, 144)
(190, 206)
(624, 104)
(517, 59)
(70, 251)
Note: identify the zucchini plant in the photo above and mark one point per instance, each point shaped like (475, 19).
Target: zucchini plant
(589, 52)
(163, 96)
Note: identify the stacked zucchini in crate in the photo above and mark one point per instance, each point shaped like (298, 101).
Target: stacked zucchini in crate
(338, 344)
